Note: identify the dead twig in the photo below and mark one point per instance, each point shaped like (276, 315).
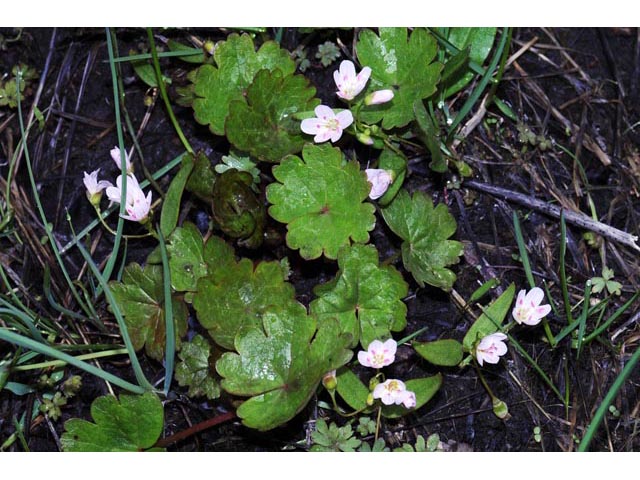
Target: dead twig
(575, 218)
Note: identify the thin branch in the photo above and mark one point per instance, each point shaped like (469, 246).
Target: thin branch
(575, 218)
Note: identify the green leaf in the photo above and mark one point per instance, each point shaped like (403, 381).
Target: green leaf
(236, 297)
(140, 297)
(190, 259)
(332, 438)
(424, 388)
(263, 123)
(194, 369)
(320, 197)
(202, 178)
(364, 298)
(479, 41)
(171, 203)
(351, 389)
(186, 257)
(397, 163)
(132, 424)
(490, 320)
(237, 62)
(426, 252)
(281, 364)
(430, 136)
(240, 163)
(400, 63)
(447, 352)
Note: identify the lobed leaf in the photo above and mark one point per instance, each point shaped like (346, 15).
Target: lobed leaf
(364, 298)
(280, 364)
(235, 297)
(402, 63)
(426, 250)
(194, 369)
(140, 297)
(132, 424)
(320, 198)
(190, 258)
(263, 122)
(237, 62)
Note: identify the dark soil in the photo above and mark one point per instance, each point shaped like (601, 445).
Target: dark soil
(590, 75)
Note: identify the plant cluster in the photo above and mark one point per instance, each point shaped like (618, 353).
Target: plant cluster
(290, 163)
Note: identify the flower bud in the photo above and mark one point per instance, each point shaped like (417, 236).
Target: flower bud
(380, 180)
(500, 409)
(378, 97)
(330, 381)
(370, 399)
(364, 138)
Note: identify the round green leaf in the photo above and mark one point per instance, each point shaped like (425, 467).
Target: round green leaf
(320, 198)
(237, 62)
(446, 353)
(131, 425)
(263, 123)
(365, 298)
(281, 364)
(402, 64)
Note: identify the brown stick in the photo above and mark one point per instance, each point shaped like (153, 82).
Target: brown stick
(575, 218)
(198, 427)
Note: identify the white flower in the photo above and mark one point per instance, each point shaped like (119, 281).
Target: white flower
(137, 205)
(327, 125)
(380, 180)
(491, 348)
(115, 155)
(394, 392)
(378, 97)
(94, 186)
(528, 309)
(378, 354)
(349, 84)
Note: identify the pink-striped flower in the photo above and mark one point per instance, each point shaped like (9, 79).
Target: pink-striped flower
(394, 392)
(137, 205)
(327, 125)
(491, 348)
(349, 84)
(380, 180)
(115, 155)
(378, 354)
(378, 97)
(94, 186)
(528, 309)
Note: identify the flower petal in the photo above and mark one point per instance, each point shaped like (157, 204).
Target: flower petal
(534, 297)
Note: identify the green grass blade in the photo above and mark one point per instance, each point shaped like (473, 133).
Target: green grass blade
(48, 351)
(170, 349)
(108, 269)
(608, 400)
(582, 320)
(135, 364)
(611, 319)
(484, 81)
(563, 273)
(522, 249)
